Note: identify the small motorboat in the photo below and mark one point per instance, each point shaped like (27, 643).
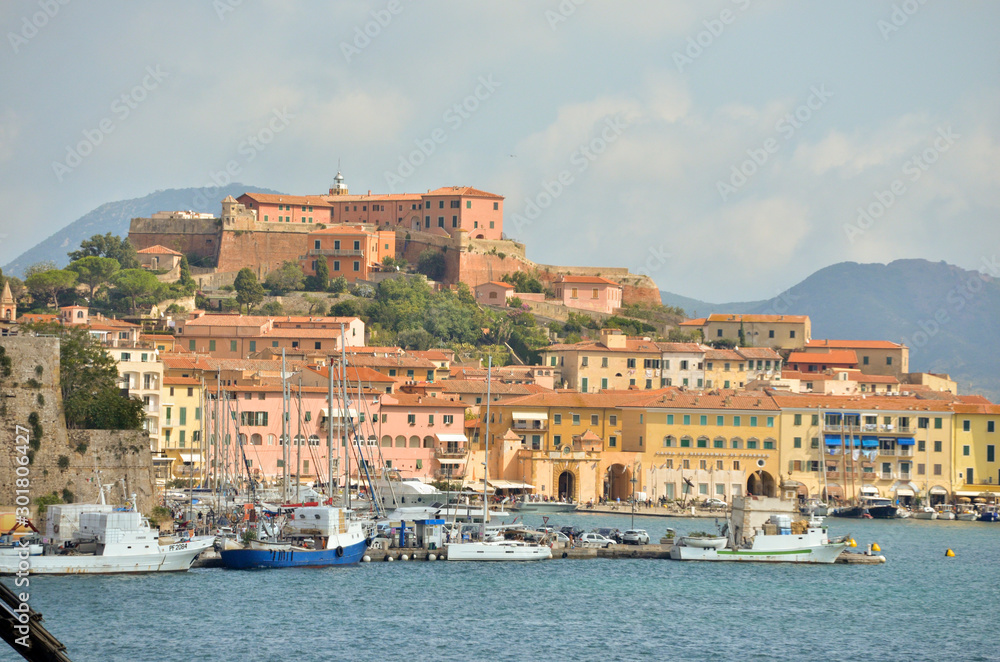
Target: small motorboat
(989, 514)
(945, 511)
(925, 513)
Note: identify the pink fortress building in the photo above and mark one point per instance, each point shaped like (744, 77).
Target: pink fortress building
(450, 208)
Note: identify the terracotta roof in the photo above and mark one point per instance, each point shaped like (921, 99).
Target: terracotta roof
(271, 198)
(974, 400)
(723, 317)
(853, 344)
(745, 401)
(373, 197)
(355, 374)
(594, 280)
(632, 345)
(806, 376)
(479, 387)
(979, 408)
(301, 333)
(181, 381)
(866, 402)
(874, 379)
(430, 354)
(498, 283)
(390, 361)
(698, 321)
(759, 353)
(212, 319)
(574, 399)
(411, 400)
(671, 347)
(158, 250)
(464, 190)
(722, 355)
(374, 351)
(834, 356)
(344, 229)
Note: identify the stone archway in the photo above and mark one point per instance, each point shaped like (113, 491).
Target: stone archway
(761, 483)
(618, 482)
(566, 486)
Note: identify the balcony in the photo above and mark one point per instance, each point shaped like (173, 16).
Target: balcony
(450, 453)
(885, 475)
(530, 426)
(905, 475)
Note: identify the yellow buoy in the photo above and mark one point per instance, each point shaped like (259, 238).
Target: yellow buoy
(852, 543)
(875, 547)
(949, 553)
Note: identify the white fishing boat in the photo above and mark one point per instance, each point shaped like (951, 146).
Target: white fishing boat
(545, 507)
(106, 543)
(811, 546)
(967, 515)
(946, 512)
(494, 548)
(925, 512)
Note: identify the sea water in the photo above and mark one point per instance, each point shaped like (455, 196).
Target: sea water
(920, 605)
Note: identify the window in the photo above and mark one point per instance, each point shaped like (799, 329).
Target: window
(989, 426)
(430, 419)
(668, 441)
(966, 425)
(937, 446)
(630, 363)
(791, 334)
(557, 419)
(612, 442)
(604, 382)
(687, 419)
(336, 265)
(737, 420)
(937, 423)
(720, 420)
(411, 419)
(921, 469)
(751, 443)
(753, 421)
(797, 442)
(719, 443)
(770, 421)
(888, 360)
(612, 420)
(923, 422)
(770, 334)
(232, 345)
(357, 266)
(921, 446)
(703, 443)
(798, 419)
(768, 445)
(991, 453)
(937, 469)
(576, 419)
(966, 450)
(604, 362)
(670, 419)
(594, 419)
(686, 442)
(703, 420)
(584, 361)
(585, 385)
(191, 345)
(468, 204)
(718, 333)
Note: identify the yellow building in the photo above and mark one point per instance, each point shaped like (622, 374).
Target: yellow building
(841, 447)
(616, 362)
(692, 445)
(784, 331)
(181, 425)
(974, 457)
(567, 444)
(725, 368)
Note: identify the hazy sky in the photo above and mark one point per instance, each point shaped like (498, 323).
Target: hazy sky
(724, 147)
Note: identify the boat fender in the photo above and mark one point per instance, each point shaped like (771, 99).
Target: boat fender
(565, 555)
(368, 541)
(340, 552)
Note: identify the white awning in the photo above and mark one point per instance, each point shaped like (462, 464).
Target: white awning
(529, 416)
(869, 489)
(938, 490)
(452, 461)
(190, 457)
(968, 493)
(338, 413)
(509, 485)
(903, 491)
(451, 437)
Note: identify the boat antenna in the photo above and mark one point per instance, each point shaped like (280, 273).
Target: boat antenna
(486, 464)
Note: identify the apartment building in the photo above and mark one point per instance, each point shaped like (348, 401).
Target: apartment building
(874, 357)
(615, 362)
(781, 331)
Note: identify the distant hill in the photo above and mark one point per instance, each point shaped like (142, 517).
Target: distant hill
(948, 316)
(114, 217)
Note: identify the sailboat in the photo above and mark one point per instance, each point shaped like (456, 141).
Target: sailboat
(494, 547)
(312, 536)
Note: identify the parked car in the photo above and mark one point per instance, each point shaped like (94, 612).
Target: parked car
(559, 536)
(713, 503)
(574, 531)
(636, 537)
(611, 534)
(595, 539)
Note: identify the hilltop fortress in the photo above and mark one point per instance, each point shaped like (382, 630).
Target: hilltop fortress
(261, 231)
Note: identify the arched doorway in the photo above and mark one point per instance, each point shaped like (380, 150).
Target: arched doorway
(567, 486)
(761, 483)
(618, 482)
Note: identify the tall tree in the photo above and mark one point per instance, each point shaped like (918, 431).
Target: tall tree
(431, 264)
(248, 291)
(51, 283)
(136, 283)
(108, 245)
(39, 267)
(321, 281)
(289, 278)
(186, 280)
(95, 271)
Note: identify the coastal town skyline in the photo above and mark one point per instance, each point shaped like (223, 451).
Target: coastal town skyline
(685, 141)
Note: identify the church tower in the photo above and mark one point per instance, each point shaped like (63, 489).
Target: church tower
(8, 307)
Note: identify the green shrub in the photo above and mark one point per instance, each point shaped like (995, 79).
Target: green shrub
(43, 502)
(63, 463)
(68, 496)
(81, 448)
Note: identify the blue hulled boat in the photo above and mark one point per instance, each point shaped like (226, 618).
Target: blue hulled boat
(314, 536)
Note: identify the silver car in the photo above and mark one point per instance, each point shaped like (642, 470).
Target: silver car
(636, 537)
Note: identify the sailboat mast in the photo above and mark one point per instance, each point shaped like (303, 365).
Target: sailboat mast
(298, 445)
(486, 464)
(343, 419)
(329, 436)
(218, 435)
(284, 429)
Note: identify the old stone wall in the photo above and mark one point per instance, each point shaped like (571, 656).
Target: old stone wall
(196, 237)
(65, 460)
(262, 251)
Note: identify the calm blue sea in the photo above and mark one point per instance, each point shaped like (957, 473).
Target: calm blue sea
(919, 606)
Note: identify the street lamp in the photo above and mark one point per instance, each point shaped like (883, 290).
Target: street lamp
(633, 481)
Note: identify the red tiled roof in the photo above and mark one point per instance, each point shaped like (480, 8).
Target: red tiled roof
(181, 381)
(498, 283)
(867, 402)
(593, 280)
(574, 399)
(411, 400)
(633, 345)
(724, 317)
(759, 353)
(746, 401)
(722, 355)
(833, 357)
(158, 250)
(698, 321)
(853, 344)
(669, 347)
(465, 191)
(272, 198)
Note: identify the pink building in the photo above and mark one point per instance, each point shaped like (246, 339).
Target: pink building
(494, 293)
(589, 292)
(450, 208)
(423, 437)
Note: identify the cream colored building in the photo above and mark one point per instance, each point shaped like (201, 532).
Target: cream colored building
(181, 425)
(616, 362)
(782, 331)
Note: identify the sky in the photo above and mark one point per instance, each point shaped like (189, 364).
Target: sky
(726, 148)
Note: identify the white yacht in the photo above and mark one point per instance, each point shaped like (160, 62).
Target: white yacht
(811, 546)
